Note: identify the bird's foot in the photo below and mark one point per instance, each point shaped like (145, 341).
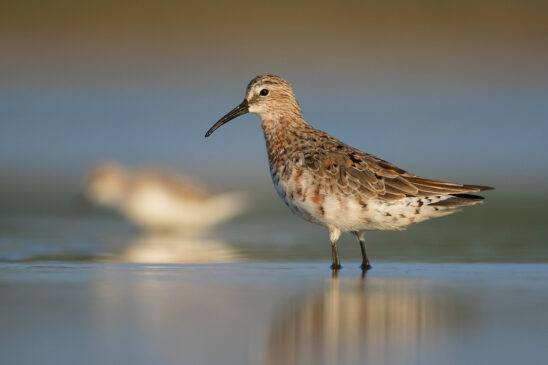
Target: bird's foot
(335, 266)
(365, 266)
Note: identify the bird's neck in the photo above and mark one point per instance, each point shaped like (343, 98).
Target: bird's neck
(281, 136)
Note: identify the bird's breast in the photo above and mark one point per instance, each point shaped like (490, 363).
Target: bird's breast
(304, 190)
(309, 197)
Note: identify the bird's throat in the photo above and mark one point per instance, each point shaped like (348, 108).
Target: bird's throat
(282, 137)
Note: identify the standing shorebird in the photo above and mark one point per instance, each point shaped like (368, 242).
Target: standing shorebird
(332, 184)
(159, 201)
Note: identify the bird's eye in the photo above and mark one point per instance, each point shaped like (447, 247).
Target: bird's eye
(264, 92)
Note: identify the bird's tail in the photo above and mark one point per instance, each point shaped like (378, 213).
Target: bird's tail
(459, 200)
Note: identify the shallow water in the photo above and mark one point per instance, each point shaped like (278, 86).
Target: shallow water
(504, 229)
(273, 313)
(89, 288)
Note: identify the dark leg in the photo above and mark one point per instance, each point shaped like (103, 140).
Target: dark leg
(335, 253)
(334, 234)
(365, 261)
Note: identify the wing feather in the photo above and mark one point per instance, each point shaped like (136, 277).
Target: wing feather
(360, 173)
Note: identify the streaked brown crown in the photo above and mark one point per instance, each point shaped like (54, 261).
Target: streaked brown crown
(280, 100)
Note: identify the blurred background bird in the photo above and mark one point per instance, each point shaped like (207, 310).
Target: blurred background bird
(156, 200)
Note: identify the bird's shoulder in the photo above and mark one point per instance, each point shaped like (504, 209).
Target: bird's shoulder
(347, 170)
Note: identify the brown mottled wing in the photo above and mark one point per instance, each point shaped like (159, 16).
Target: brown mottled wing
(346, 170)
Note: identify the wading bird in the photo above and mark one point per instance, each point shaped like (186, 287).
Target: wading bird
(327, 182)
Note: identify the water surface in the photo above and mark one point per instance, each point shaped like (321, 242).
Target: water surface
(272, 313)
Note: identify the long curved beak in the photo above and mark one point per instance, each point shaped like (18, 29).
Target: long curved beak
(241, 109)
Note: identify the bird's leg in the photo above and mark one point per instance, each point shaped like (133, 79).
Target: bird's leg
(361, 239)
(334, 234)
(336, 265)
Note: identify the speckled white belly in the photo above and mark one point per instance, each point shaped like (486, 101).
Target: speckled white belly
(348, 214)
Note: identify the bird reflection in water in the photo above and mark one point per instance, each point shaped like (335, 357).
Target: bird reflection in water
(168, 247)
(369, 320)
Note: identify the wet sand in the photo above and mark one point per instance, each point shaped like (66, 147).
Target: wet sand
(272, 313)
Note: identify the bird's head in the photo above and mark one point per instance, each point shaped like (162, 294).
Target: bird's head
(268, 96)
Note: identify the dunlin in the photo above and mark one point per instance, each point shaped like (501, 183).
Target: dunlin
(159, 201)
(327, 182)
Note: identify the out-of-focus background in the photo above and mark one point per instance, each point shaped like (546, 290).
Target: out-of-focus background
(127, 237)
(448, 90)
(453, 90)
